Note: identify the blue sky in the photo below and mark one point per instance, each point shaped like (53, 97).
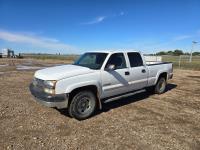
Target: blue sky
(76, 26)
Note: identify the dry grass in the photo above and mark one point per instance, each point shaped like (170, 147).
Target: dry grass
(143, 121)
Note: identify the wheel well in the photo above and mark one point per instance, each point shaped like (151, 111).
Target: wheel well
(164, 74)
(92, 88)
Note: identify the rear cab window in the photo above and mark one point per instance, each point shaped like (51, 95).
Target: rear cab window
(135, 59)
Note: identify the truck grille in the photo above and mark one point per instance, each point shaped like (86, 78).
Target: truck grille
(38, 83)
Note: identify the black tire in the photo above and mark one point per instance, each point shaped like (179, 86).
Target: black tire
(160, 85)
(83, 105)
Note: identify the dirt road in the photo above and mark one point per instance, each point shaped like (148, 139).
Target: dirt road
(143, 121)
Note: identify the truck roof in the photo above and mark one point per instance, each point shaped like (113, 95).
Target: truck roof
(113, 51)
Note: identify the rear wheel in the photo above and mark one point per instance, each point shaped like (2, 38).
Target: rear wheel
(160, 86)
(82, 105)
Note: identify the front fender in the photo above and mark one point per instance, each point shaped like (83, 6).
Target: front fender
(69, 84)
(74, 86)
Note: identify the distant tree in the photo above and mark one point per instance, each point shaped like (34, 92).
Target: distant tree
(178, 52)
(161, 53)
(196, 53)
(170, 53)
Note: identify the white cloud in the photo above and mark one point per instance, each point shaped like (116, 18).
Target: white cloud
(182, 37)
(96, 20)
(33, 40)
(100, 19)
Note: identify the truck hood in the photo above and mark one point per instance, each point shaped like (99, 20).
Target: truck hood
(60, 72)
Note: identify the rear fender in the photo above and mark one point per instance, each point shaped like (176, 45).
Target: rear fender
(158, 75)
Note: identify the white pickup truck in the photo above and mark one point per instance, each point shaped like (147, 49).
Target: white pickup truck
(96, 78)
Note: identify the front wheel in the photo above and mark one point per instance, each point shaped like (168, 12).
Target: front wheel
(82, 105)
(160, 86)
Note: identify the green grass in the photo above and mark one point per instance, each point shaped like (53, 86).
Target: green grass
(185, 64)
(50, 56)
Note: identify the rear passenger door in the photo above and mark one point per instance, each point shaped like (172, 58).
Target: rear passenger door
(138, 72)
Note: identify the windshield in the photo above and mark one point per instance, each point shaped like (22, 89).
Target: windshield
(91, 60)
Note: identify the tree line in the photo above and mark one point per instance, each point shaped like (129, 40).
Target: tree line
(177, 52)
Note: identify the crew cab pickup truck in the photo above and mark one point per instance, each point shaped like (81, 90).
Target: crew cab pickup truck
(96, 78)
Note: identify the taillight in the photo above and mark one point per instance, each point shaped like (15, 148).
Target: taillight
(172, 67)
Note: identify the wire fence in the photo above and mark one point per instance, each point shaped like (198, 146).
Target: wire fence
(183, 61)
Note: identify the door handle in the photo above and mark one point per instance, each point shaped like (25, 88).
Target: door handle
(127, 73)
(143, 71)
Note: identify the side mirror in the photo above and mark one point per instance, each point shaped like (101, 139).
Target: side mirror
(110, 67)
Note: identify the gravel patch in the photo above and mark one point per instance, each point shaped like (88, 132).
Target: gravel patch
(144, 121)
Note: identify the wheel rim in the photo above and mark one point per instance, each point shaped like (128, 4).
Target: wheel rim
(84, 105)
(161, 85)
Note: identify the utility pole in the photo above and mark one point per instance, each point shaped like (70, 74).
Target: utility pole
(193, 43)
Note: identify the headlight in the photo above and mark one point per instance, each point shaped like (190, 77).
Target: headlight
(50, 84)
(49, 91)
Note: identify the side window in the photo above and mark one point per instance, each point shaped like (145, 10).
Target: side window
(118, 60)
(135, 59)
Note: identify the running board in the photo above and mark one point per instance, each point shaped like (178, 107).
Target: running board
(122, 96)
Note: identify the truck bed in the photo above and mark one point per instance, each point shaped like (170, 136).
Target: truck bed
(151, 63)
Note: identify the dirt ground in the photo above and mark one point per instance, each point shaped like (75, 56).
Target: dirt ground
(143, 121)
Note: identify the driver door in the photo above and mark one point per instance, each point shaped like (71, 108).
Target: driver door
(115, 81)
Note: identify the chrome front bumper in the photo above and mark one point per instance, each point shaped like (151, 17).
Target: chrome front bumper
(58, 101)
